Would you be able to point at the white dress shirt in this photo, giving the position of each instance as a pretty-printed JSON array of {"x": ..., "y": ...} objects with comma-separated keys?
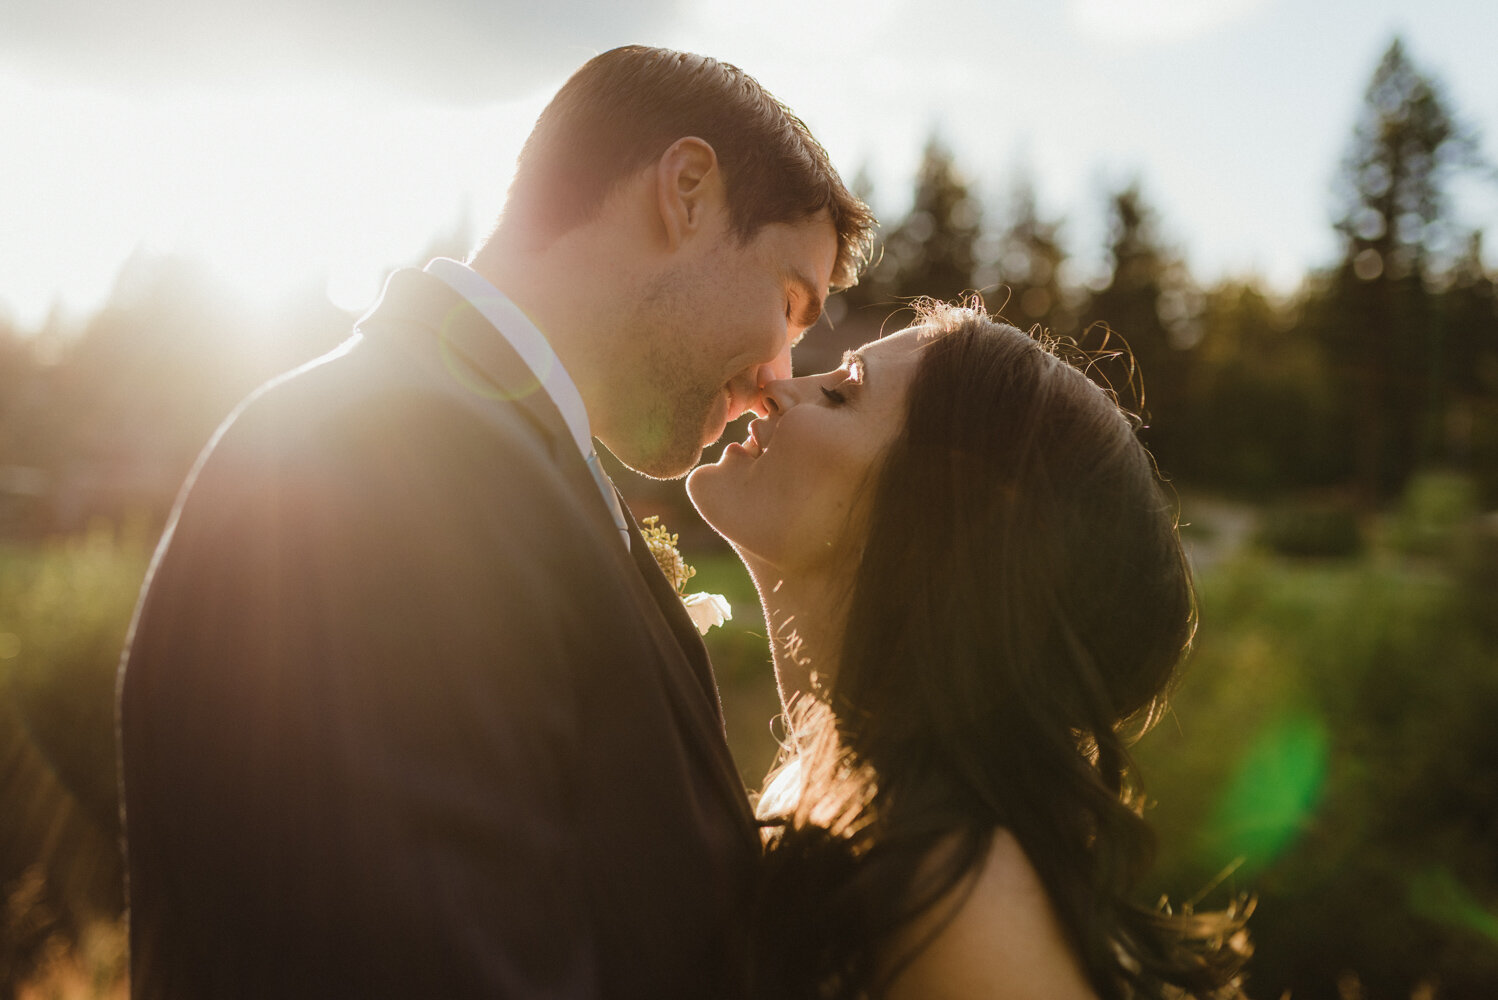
[{"x": 536, "y": 351}]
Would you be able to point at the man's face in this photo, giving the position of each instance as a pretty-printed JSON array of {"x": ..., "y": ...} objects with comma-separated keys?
[{"x": 710, "y": 331}]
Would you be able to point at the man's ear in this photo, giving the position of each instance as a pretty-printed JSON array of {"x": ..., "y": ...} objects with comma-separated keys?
[{"x": 689, "y": 189}]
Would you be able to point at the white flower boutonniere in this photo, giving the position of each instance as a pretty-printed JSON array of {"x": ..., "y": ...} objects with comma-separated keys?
[{"x": 706, "y": 610}]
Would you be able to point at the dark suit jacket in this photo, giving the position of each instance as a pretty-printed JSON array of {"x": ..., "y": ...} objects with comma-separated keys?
[{"x": 401, "y": 717}]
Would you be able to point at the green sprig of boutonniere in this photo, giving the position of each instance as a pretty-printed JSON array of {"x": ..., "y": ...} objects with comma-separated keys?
[{"x": 706, "y": 610}]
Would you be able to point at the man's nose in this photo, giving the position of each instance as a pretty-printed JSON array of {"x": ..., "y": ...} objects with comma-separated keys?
[
  {"x": 766, "y": 375},
  {"x": 776, "y": 396}
]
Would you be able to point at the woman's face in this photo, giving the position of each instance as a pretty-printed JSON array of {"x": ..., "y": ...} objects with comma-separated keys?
[{"x": 794, "y": 494}]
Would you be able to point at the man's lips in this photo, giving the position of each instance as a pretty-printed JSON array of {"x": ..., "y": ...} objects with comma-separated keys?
[{"x": 717, "y": 422}]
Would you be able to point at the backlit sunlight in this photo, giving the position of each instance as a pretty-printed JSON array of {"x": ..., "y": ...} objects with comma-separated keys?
[{"x": 274, "y": 190}]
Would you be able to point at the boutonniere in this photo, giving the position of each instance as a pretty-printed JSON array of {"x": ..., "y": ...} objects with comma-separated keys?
[{"x": 706, "y": 610}]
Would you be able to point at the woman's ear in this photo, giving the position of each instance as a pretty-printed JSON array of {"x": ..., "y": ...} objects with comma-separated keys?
[{"x": 689, "y": 189}]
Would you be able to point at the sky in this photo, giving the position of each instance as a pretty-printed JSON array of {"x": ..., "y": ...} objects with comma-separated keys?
[{"x": 291, "y": 144}]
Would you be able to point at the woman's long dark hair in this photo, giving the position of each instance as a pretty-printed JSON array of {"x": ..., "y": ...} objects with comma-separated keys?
[{"x": 1018, "y": 613}]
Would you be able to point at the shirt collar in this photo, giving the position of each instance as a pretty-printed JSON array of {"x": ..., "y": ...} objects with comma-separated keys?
[{"x": 527, "y": 340}]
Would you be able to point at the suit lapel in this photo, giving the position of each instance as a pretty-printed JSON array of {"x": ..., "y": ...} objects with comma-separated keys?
[
  {"x": 476, "y": 356},
  {"x": 675, "y": 613},
  {"x": 706, "y": 727},
  {"x": 482, "y": 364},
  {"x": 479, "y": 364}
]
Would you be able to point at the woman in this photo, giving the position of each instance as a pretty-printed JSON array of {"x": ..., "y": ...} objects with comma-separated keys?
[{"x": 974, "y": 585}]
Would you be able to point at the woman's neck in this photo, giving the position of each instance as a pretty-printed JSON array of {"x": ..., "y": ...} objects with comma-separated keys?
[{"x": 804, "y": 615}]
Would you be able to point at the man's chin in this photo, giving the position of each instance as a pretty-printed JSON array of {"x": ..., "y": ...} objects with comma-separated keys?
[
  {"x": 664, "y": 465},
  {"x": 671, "y": 455}
]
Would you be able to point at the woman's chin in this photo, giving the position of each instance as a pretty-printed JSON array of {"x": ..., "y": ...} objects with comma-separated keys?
[
  {"x": 713, "y": 495},
  {"x": 703, "y": 490},
  {"x": 694, "y": 478}
]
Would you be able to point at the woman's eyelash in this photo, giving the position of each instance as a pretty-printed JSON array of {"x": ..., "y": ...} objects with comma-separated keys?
[{"x": 833, "y": 395}]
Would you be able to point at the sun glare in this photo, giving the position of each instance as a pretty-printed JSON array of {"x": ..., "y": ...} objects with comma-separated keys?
[{"x": 275, "y": 193}]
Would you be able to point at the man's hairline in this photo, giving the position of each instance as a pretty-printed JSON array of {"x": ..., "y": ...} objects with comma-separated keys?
[{"x": 845, "y": 259}]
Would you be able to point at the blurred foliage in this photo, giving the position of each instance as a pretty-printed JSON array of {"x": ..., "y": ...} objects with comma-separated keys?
[
  {"x": 1022, "y": 264},
  {"x": 106, "y": 420},
  {"x": 1311, "y": 526},
  {"x": 1149, "y": 303},
  {"x": 932, "y": 250},
  {"x": 64, "y": 610},
  {"x": 1435, "y": 515},
  {"x": 1332, "y": 749}
]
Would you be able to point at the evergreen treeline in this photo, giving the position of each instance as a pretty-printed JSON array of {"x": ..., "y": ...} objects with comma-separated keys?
[{"x": 1381, "y": 363}]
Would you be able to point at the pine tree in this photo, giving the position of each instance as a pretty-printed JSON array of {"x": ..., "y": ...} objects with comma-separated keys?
[
  {"x": 1406, "y": 147},
  {"x": 871, "y": 295},
  {"x": 1027, "y": 265},
  {"x": 1468, "y": 315},
  {"x": 931, "y": 252},
  {"x": 1149, "y": 301}
]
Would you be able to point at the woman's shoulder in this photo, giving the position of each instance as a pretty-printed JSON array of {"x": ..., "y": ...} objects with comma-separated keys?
[{"x": 995, "y": 934}]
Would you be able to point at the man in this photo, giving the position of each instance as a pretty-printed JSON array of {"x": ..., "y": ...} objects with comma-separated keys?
[{"x": 407, "y": 708}]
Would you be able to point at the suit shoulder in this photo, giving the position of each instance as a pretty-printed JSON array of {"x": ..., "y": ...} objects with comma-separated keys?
[{"x": 350, "y": 414}]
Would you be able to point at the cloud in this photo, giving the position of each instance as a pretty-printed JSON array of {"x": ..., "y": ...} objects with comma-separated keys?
[
  {"x": 1124, "y": 21},
  {"x": 455, "y": 51}
]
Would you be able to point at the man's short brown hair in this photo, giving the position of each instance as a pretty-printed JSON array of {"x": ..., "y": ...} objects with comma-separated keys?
[{"x": 623, "y": 109}]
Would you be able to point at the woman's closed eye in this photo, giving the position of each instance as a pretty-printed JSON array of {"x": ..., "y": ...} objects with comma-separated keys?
[{"x": 833, "y": 396}]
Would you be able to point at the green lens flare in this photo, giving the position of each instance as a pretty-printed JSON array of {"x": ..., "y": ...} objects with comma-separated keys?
[
  {"x": 1436, "y": 895},
  {"x": 472, "y": 380},
  {"x": 1272, "y": 796}
]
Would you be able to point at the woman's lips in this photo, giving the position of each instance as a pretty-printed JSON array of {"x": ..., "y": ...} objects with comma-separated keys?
[{"x": 759, "y": 437}]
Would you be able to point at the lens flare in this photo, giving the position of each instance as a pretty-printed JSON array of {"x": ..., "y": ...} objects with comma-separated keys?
[
  {"x": 1436, "y": 895},
  {"x": 468, "y": 377},
  {"x": 1274, "y": 792}
]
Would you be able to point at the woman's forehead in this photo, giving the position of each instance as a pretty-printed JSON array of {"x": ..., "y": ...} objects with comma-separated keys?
[{"x": 899, "y": 342}]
